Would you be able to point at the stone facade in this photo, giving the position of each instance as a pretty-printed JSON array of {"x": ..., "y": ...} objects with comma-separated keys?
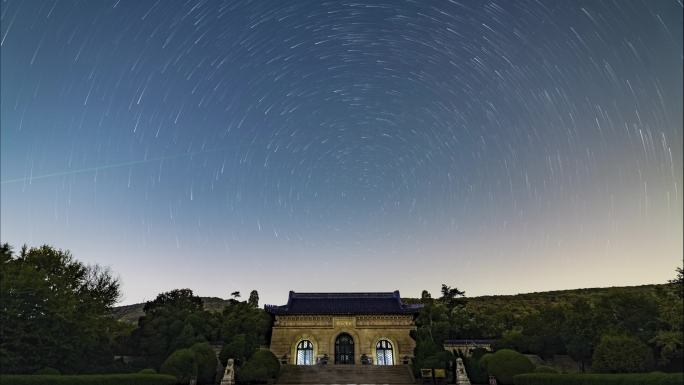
[
  {"x": 322, "y": 331},
  {"x": 368, "y": 318}
]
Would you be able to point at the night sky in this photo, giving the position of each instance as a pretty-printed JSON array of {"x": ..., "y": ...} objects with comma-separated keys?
[{"x": 496, "y": 146}]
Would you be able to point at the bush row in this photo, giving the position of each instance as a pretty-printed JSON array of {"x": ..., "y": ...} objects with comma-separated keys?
[
  {"x": 600, "y": 379},
  {"x": 506, "y": 363},
  {"x": 199, "y": 361},
  {"x": 88, "y": 379},
  {"x": 262, "y": 366}
]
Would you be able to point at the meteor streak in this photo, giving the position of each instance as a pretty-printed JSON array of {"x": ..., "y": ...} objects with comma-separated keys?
[{"x": 106, "y": 167}]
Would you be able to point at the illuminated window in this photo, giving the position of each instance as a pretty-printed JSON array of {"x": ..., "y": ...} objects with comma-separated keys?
[
  {"x": 305, "y": 353},
  {"x": 383, "y": 353}
]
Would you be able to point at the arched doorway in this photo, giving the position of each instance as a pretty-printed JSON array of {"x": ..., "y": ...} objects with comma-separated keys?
[
  {"x": 344, "y": 349},
  {"x": 305, "y": 353},
  {"x": 384, "y": 354}
]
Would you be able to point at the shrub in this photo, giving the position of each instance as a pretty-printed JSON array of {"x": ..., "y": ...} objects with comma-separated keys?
[
  {"x": 622, "y": 354},
  {"x": 253, "y": 373},
  {"x": 484, "y": 360},
  {"x": 88, "y": 379},
  {"x": 600, "y": 379},
  {"x": 181, "y": 364},
  {"x": 545, "y": 369},
  {"x": 148, "y": 371},
  {"x": 48, "y": 371},
  {"x": 268, "y": 360},
  {"x": 506, "y": 363},
  {"x": 206, "y": 362},
  {"x": 476, "y": 372},
  {"x": 261, "y": 366}
]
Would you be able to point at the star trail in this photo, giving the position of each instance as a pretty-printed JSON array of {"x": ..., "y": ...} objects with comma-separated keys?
[{"x": 499, "y": 146}]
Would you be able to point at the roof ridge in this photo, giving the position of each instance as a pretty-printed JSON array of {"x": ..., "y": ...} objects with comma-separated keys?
[
  {"x": 344, "y": 303},
  {"x": 378, "y": 294}
]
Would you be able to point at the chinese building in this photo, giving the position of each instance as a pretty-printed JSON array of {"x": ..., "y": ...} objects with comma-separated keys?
[
  {"x": 466, "y": 347},
  {"x": 343, "y": 328}
]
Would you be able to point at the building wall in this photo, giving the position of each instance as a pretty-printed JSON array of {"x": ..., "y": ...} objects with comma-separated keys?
[{"x": 322, "y": 331}]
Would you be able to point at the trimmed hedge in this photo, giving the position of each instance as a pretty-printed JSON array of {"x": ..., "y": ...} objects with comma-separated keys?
[
  {"x": 206, "y": 362},
  {"x": 506, "y": 363},
  {"x": 88, "y": 379},
  {"x": 545, "y": 369},
  {"x": 600, "y": 379},
  {"x": 48, "y": 371},
  {"x": 261, "y": 367},
  {"x": 181, "y": 364}
]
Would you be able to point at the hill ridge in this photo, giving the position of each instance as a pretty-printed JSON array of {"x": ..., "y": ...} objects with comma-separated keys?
[{"x": 132, "y": 312}]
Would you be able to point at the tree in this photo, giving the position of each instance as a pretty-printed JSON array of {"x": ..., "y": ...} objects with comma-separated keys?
[
  {"x": 579, "y": 348},
  {"x": 622, "y": 354},
  {"x": 669, "y": 336},
  {"x": 186, "y": 338},
  {"x": 239, "y": 318},
  {"x": 579, "y": 331},
  {"x": 513, "y": 339},
  {"x": 678, "y": 282},
  {"x": 630, "y": 313},
  {"x": 237, "y": 349},
  {"x": 178, "y": 300},
  {"x": 253, "y": 298},
  {"x": 169, "y": 324},
  {"x": 451, "y": 297},
  {"x": 177, "y": 320},
  {"x": 543, "y": 331},
  {"x": 54, "y": 311}
]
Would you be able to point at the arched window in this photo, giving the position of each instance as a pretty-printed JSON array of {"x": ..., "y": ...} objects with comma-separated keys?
[
  {"x": 305, "y": 353},
  {"x": 383, "y": 353}
]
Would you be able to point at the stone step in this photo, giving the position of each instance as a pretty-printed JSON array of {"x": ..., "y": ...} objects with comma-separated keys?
[{"x": 345, "y": 374}]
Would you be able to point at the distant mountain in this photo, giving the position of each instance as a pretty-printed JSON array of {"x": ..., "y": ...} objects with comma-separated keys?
[
  {"x": 131, "y": 313},
  {"x": 521, "y": 304},
  {"x": 516, "y": 302}
]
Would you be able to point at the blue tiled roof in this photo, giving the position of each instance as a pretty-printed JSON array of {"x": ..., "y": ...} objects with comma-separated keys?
[{"x": 343, "y": 303}]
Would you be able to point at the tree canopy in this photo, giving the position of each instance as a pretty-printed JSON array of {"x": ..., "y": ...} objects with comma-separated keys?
[
  {"x": 551, "y": 323},
  {"x": 54, "y": 311}
]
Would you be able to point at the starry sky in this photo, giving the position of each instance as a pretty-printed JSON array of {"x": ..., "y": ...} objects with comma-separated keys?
[{"x": 497, "y": 146}]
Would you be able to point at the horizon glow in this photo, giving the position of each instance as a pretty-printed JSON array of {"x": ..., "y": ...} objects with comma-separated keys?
[{"x": 500, "y": 147}]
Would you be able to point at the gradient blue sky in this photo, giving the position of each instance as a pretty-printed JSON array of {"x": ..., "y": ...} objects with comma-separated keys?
[{"x": 498, "y": 146}]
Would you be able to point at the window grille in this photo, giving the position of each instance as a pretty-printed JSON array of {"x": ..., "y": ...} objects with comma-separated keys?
[
  {"x": 384, "y": 353},
  {"x": 305, "y": 353}
]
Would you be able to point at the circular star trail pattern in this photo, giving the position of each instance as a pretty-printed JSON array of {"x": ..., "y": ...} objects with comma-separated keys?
[{"x": 434, "y": 140}]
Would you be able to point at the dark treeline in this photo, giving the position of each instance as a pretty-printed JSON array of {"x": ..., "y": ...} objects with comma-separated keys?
[
  {"x": 56, "y": 315},
  {"x": 643, "y": 322}
]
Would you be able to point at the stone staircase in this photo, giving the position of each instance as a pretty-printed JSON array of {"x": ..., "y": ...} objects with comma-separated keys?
[{"x": 345, "y": 374}]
